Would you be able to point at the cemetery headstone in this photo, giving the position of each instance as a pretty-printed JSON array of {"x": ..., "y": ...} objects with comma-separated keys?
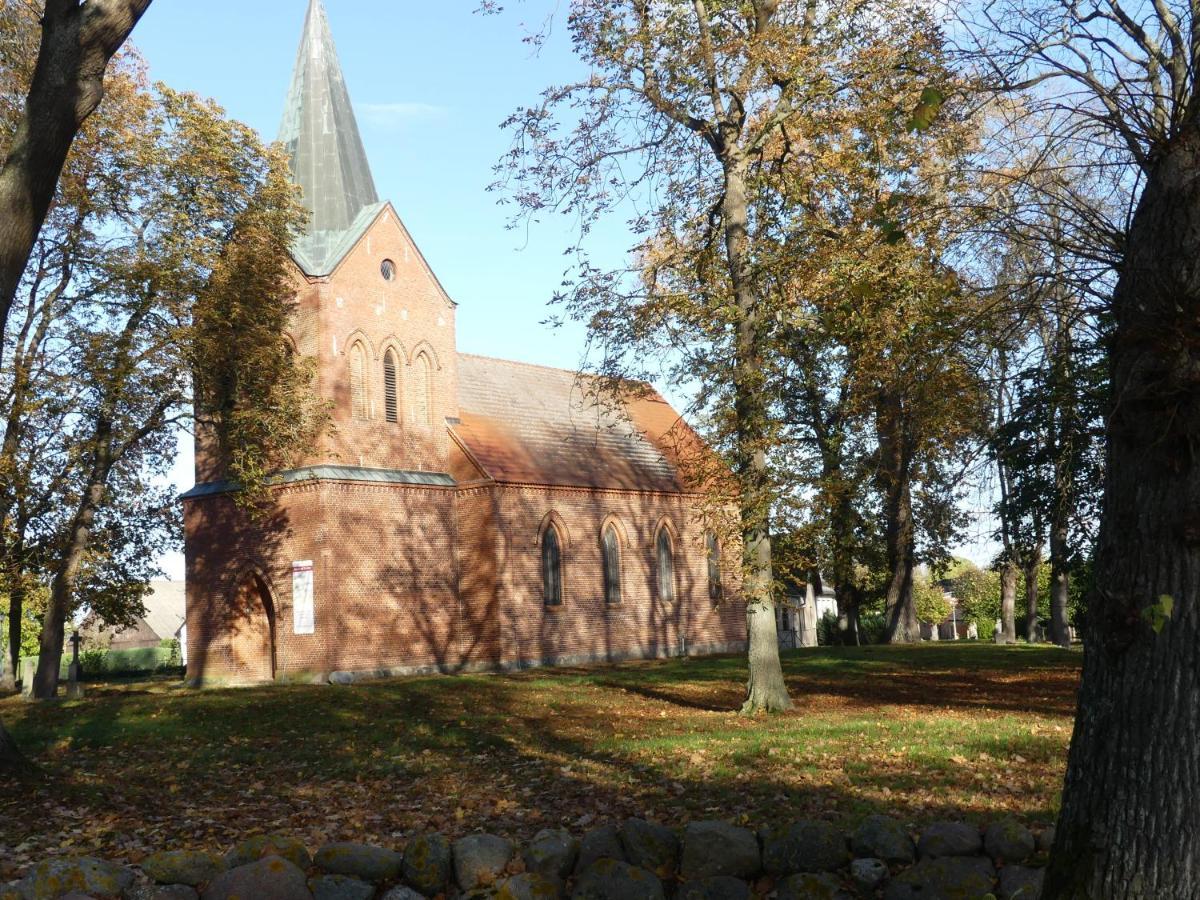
[
  {"x": 28, "y": 670},
  {"x": 74, "y": 688}
]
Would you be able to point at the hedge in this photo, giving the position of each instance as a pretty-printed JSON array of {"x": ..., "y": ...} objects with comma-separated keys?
[{"x": 125, "y": 662}]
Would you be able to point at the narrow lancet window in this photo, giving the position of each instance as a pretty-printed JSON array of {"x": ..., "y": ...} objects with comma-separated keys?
[
  {"x": 551, "y": 567},
  {"x": 390, "y": 409},
  {"x": 358, "y": 383},
  {"x": 611, "y": 550},
  {"x": 666, "y": 567}
]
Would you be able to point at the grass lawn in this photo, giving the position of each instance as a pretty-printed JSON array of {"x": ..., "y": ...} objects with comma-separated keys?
[{"x": 921, "y": 732}]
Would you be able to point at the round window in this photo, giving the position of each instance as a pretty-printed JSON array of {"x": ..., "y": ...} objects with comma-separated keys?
[{"x": 388, "y": 269}]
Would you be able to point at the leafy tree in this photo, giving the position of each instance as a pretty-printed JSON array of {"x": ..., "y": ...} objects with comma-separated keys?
[
  {"x": 158, "y": 294},
  {"x": 67, "y": 83},
  {"x": 198, "y": 272},
  {"x": 929, "y": 599},
  {"x": 681, "y": 102},
  {"x": 881, "y": 403},
  {"x": 745, "y": 132},
  {"x": 1050, "y": 411},
  {"x": 978, "y": 595}
]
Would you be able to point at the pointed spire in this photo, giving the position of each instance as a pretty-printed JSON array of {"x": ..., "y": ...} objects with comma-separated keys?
[{"x": 320, "y": 131}]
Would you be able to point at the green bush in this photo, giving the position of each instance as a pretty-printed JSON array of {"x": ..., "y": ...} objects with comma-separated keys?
[
  {"x": 872, "y": 627},
  {"x": 141, "y": 661},
  {"x": 827, "y": 630},
  {"x": 129, "y": 662},
  {"x": 929, "y": 599},
  {"x": 173, "y": 657},
  {"x": 92, "y": 660}
]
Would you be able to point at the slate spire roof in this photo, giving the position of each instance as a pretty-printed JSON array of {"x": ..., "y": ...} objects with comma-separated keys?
[{"x": 328, "y": 160}]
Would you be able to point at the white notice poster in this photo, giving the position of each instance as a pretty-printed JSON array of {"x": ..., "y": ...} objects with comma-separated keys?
[{"x": 302, "y": 597}]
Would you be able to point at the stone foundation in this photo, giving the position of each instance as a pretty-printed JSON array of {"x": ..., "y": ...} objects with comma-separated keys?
[{"x": 713, "y": 860}]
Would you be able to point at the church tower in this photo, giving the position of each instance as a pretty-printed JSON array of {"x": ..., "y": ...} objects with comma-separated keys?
[
  {"x": 363, "y": 529},
  {"x": 369, "y": 309}
]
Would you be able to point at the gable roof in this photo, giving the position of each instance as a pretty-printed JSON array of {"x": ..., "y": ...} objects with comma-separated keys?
[
  {"x": 166, "y": 608},
  {"x": 318, "y": 253},
  {"x": 326, "y": 151},
  {"x": 528, "y": 424},
  {"x": 166, "y": 613}
]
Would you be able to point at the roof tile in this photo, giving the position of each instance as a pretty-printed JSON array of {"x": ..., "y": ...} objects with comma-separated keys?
[{"x": 529, "y": 424}]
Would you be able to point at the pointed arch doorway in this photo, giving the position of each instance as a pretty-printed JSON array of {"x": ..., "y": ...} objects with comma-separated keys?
[{"x": 252, "y": 635}]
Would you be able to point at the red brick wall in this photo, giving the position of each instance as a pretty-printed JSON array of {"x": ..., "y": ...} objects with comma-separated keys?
[
  {"x": 409, "y": 314},
  {"x": 412, "y": 578},
  {"x": 384, "y": 577},
  {"x": 584, "y": 626}
]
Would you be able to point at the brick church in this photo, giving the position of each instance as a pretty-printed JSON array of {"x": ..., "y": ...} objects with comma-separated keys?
[{"x": 464, "y": 512}]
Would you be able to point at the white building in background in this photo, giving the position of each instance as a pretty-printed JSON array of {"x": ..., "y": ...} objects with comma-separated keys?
[{"x": 796, "y": 617}]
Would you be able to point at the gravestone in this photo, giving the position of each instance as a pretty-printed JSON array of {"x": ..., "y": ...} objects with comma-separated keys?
[
  {"x": 74, "y": 688},
  {"x": 28, "y": 670},
  {"x": 8, "y": 680}
]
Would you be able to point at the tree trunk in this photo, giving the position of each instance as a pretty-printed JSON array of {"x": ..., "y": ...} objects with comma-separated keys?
[
  {"x": 78, "y": 39},
  {"x": 1008, "y": 602},
  {"x": 1064, "y": 430},
  {"x": 903, "y": 626},
  {"x": 765, "y": 689},
  {"x": 841, "y": 530},
  {"x": 11, "y": 758},
  {"x": 1033, "y": 562},
  {"x": 847, "y": 621},
  {"x": 16, "y": 614},
  {"x": 62, "y": 588},
  {"x": 50, "y": 648},
  {"x": 1060, "y": 587},
  {"x": 1129, "y": 826}
]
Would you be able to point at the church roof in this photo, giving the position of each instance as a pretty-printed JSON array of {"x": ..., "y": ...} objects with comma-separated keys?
[
  {"x": 527, "y": 424},
  {"x": 327, "y": 156}
]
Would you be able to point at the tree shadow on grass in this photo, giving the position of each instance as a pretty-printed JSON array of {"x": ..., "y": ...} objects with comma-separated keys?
[
  {"x": 509, "y": 754},
  {"x": 664, "y": 695}
]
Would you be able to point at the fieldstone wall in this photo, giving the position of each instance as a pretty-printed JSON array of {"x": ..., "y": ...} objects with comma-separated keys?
[{"x": 637, "y": 860}]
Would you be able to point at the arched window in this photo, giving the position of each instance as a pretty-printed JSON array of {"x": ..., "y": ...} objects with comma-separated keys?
[
  {"x": 611, "y": 550},
  {"x": 359, "y": 406},
  {"x": 422, "y": 402},
  {"x": 551, "y": 567},
  {"x": 390, "y": 409},
  {"x": 713, "y": 547},
  {"x": 666, "y": 567}
]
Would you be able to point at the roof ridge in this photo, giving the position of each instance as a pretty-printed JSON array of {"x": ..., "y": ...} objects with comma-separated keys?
[
  {"x": 528, "y": 365},
  {"x": 575, "y": 372}
]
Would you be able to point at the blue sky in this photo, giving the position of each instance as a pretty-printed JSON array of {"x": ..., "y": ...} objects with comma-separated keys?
[{"x": 431, "y": 84}]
